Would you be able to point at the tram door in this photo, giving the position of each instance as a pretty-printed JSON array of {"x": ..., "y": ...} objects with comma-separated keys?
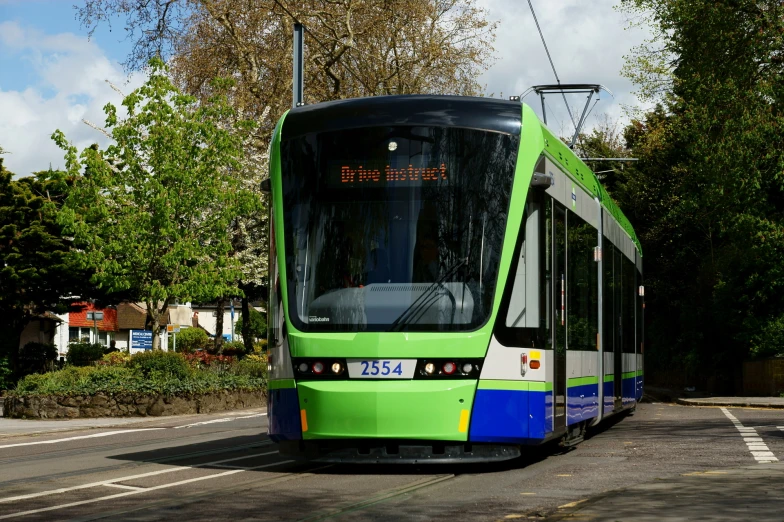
[{"x": 559, "y": 320}]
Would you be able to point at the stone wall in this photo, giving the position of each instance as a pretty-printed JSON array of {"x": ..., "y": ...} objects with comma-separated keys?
[{"x": 127, "y": 404}]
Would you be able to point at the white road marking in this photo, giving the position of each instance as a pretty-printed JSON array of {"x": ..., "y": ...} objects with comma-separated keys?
[
  {"x": 123, "y": 486},
  {"x": 757, "y": 447},
  {"x": 129, "y": 493},
  {"x": 93, "y": 436},
  {"x": 227, "y": 419},
  {"x": 129, "y": 477}
]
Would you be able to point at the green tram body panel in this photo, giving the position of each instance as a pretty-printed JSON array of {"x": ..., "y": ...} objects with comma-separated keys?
[
  {"x": 387, "y": 409},
  {"x": 440, "y": 410}
]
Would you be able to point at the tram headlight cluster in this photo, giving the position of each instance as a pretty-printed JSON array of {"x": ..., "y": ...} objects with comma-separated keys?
[
  {"x": 448, "y": 368},
  {"x": 321, "y": 368}
]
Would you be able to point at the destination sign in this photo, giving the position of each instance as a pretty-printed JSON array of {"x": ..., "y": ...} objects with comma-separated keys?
[{"x": 348, "y": 175}]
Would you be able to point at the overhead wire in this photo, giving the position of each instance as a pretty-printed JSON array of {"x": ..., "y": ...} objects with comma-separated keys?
[{"x": 546, "y": 50}]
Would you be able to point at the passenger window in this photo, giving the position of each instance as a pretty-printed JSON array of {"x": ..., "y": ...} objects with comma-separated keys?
[{"x": 524, "y": 305}]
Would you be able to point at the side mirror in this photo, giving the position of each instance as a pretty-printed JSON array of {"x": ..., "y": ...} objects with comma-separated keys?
[
  {"x": 266, "y": 186},
  {"x": 543, "y": 180}
]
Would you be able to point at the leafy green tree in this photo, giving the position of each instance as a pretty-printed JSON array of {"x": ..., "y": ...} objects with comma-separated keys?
[
  {"x": 36, "y": 272},
  {"x": 257, "y": 329},
  {"x": 151, "y": 212},
  {"x": 709, "y": 196}
]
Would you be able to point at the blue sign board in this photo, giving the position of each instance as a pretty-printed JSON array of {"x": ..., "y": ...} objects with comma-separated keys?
[{"x": 141, "y": 340}]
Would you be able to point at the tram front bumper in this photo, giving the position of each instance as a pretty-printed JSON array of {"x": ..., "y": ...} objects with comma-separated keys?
[{"x": 409, "y": 410}]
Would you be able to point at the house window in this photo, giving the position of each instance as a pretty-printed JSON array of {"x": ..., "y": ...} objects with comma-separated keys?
[
  {"x": 73, "y": 334},
  {"x": 80, "y": 335}
]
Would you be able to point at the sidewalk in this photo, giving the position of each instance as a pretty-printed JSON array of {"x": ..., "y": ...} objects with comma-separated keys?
[
  {"x": 695, "y": 398},
  {"x": 24, "y": 427},
  {"x": 747, "y": 493},
  {"x": 735, "y": 402},
  {"x": 40, "y": 427}
]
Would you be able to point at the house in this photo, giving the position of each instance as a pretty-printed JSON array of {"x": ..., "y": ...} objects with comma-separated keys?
[
  {"x": 81, "y": 328},
  {"x": 42, "y": 329}
]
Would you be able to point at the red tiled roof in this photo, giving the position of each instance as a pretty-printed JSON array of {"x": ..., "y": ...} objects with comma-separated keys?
[{"x": 108, "y": 324}]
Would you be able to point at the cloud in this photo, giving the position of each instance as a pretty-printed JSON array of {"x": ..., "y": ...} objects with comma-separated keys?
[
  {"x": 71, "y": 75},
  {"x": 587, "y": 42}
]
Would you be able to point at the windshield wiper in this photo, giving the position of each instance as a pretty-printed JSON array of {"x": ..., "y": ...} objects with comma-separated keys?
[{"x": 425, "y": 299}]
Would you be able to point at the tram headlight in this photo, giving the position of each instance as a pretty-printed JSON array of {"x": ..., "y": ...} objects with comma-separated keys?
[
  {"x": 318, "y": 368},
  {"x": 430, "y": 368},
  {"x": 337, "y": 368},
  {"x": 303, "y": 367},
  {"x": 467, "y": 367}
]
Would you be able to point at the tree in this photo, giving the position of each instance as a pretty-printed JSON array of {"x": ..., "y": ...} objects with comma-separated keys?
[
  {"x": 36, "y": 272},
  {"x": 151, "y": 212},
  {"x": 353, "y": 48},
  {"x": 717, "y": 165},
  {"x": 257, "y": 329}
]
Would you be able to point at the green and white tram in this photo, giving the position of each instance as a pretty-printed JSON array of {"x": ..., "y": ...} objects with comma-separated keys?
[{"x": 448, "y": 281}]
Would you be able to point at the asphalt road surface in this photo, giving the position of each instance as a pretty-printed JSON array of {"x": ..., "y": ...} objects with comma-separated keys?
[{"x": 223, "y": 467}]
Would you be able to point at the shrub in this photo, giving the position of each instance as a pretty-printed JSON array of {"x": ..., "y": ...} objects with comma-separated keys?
[
  {"x": 258, "y": 324},
  {"x": 53, "y": 382},
  {"x": 251, "y": 366},
  {"x": 192, "y": 339},
  {"x": 158, "y": 363},
  {"x": 116, "y": 358},
  {"x": 117, "y": 379},
  {"x": 36, "y": 357},
  {"x": 233, "y": 348},
  {"x": 260, "y": 347},
  {"x": 205, "y": 360},
  {"x": 5, "y": 374},
  {"x": 83, "y": 354}
]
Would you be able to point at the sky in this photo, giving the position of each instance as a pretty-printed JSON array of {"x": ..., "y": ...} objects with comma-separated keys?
[{"x": 52, "y": 76}]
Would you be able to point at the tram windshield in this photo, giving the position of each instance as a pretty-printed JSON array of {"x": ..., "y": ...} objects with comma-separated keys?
[{"x": 395, "y": 228}]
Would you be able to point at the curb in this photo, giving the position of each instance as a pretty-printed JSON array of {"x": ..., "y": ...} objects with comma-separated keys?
[{"x": 730, "y": 404}]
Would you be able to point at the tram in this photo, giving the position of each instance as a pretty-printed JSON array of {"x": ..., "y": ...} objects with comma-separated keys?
[{"x": 448, "y": 282}]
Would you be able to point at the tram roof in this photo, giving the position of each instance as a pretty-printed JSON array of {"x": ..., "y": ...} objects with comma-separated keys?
[
  {"x": 492, "y": 114},
  {"x": 425, "y": 110}
]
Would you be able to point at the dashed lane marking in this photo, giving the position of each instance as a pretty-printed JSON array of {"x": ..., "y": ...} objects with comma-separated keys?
[
  {"x": 756, "y": 446},
  {"x": 93, "y": 436},
  {"x": 144, "y": 490},
  {"x": 131, "y": 477}
]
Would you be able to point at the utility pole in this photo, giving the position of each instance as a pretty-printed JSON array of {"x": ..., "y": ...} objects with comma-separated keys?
[{"x": 298, "y": 87}]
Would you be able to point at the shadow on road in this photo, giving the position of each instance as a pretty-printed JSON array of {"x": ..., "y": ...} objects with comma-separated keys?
[{"x": 245, "y": 451}]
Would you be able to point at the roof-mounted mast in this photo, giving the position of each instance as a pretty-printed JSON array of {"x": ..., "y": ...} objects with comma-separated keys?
[{"x": 590, "y": 89}]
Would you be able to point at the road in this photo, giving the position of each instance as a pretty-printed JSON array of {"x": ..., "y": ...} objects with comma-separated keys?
[{"x": 223, "y": 467}]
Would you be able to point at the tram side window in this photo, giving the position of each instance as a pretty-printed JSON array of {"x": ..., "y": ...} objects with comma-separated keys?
[
  {"x": 629, "y": 300},
  {"x": 639, "y": 314},
  {"x": 274, "y": 319},
  {"x": 525, "y": 321},
  {"x": 524, "y": 303},
  {"x": 609, "y": 324},
  {"x": 618, "y": 300},
  {"x": 583, "y": 303}
]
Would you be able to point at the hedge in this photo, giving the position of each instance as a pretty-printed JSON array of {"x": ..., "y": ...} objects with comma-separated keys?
[{"x": 157, "y": 372}]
